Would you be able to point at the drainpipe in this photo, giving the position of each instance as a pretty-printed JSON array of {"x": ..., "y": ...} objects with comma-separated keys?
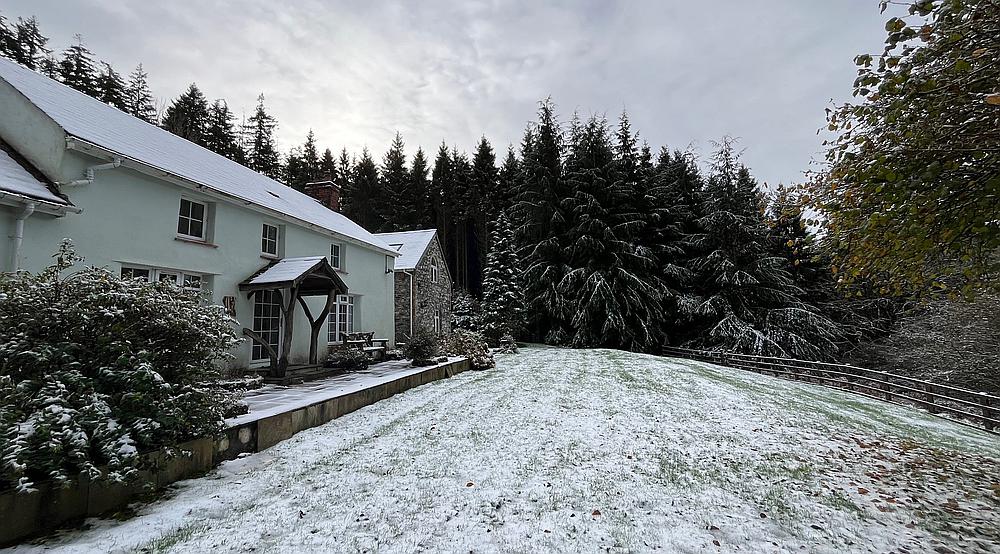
[
  {"x": 412, "y": 299},
  {"x": 15, "y": 257},
  {"x": 89, "y": 173}
]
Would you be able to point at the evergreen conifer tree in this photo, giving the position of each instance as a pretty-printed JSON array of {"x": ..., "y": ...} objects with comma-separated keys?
[
  {"x": 187, "y": 115},
  {"x": 420, "y": 187},
  {"x": 138, "y": 97},
  {"x": 8, "y": 40},
  {"x": 28, "y": 45},
  {"x": 507, "y": 180},
  {"x": 503, "y": 300},
  {"x": 262, "y": 155},
  {"x": 441, "y": 202},
  {"x": 111, "y": 87},
  {"x": 356, "y": 200},
  {"x": 77, "y": 68},
  {"x": 295, "y": 169},
  {"x": 220, "y": 132},
  {"x": 395, "y": 205},
  {"x": 344, "y": 174},
  {"x": 749, "y": 302},
  {"x": 328, "y": 166},
  {"x": 310, "y": 159}
]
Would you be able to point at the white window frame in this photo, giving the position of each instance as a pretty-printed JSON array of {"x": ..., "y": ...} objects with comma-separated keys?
[
  {"x": 190, "y": 218},
  {"x": 437, "y": 321},
  {"x": 258, "y": 355},
  {"x": 266, "y": 240},
  {"x": 434, "y": 272},
  {"x": 337, "y": 256},
  {"x": 343, "y": 312},
  {"x": 175, "y": 276}
]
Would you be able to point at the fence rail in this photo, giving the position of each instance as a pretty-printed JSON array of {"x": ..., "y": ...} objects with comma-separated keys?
[{"x": 966, "y": 406}]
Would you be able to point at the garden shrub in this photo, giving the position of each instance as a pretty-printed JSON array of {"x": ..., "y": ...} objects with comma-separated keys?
[
  {"x": 349, "y": 359},
  {"x": 95, "y": 370},
  {"x": 422, "y": 347},
  {"x": 471, "y": 345},
  {"x": 507, "y": 345}
]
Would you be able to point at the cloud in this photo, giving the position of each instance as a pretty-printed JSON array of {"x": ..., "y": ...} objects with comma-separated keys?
[{"x": 356, "y": 72}]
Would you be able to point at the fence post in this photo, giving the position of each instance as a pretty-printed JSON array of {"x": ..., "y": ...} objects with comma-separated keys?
[
  {"x": 929, "y": 398},
  {"x": 988, "y": 412}
]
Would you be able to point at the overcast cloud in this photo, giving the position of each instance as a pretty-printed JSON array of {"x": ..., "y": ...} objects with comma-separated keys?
[{"x": 355, "y": 72}]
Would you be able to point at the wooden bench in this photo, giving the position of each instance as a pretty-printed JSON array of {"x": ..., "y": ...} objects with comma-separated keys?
[{"x": 366, "y": 342}]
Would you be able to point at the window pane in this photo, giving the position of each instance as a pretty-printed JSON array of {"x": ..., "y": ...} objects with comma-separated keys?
[
  {"x": 196, "y": 229},
  {"x": 182, "y": 226},
  {"x": 168, "y": 277},
  {"x": 197, "y": 211},
  {"x": 185, "y": 208}
]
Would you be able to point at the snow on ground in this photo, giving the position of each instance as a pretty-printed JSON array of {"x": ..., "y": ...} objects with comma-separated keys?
[{"x": 592, "y": 450}]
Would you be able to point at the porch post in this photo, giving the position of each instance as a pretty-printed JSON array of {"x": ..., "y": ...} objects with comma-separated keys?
[{"x": 288, "y": 314}]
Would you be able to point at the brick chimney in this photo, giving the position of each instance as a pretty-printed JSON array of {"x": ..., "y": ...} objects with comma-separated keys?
[{"x": 327, "y": 192}]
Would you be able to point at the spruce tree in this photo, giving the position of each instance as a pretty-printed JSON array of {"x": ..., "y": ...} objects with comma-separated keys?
[
  {"x": 395, "y": 205},
  {"x": 262, "y": 155},
  {"x": 28, "y": 46},
  {"x": 77, "y": 68},
  {"x": 344, "y": 174},
  {"x": 420, "y": 189},
  {"x": 609, "y": 294},
  {"x": 749, "y": 302},
  {"x": 8, "y": 40},
  {"x": 441, "y": 202},
  {"x": 138, "y": 96},
  {"x": 295, "y": 169},
  {"x": 503, "y": 292},
  {"x": 500, "y": 200},
  {"x": 111, "y": 87},
  {"x": 327, "y": 167},
  {"x": 357, "y": 199},
  {"x": 310, "y": 159},
  {"x": 478, "y": 210},
  {"x": 187, "y": 115},
  {"x": 220, "y": 132},
  {"x": 49, "y": 66},
  {"x": 539, "y": 221}
]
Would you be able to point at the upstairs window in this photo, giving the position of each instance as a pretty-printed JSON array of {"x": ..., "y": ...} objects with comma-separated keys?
[
  {"x": 434, "y": 273},
  {"x": 269, "y": 240},
  {"x": 191, "y": 219},
  {"x": 336, "y": 256}
]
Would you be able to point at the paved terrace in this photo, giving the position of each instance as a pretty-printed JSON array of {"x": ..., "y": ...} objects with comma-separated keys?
[{"x": 271, "y": 400}]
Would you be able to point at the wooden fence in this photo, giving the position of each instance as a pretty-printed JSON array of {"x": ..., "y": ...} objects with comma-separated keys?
[{"x": 964, "y": 405}]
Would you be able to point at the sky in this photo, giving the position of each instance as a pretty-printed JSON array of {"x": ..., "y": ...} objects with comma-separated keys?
[{"x": 355, "y": 72}]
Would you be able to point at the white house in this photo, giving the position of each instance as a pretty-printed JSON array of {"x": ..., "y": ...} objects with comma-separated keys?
[{"x": 145, "y": 203}]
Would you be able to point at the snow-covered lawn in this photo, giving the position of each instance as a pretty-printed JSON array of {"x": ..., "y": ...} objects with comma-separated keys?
[{"x": 592, "y": 450}]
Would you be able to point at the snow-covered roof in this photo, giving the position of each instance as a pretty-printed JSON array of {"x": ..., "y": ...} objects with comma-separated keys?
[
  {"x": 411, "y": 246},
  {"x": 16, "y": 179},
  {"x": 93, "y": 121},
  {"x": 287, "y": 269}
]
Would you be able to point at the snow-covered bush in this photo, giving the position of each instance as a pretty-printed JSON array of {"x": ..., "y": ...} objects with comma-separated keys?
[
  {"x": 465, "y": 311},
  {"x": 470, "y": 345},
  {"x": 95, "y": 369},
  {"x": 422, "y": 346},
  {"x": 350, "y": 359},
  {"x": 507, "y": 345}
]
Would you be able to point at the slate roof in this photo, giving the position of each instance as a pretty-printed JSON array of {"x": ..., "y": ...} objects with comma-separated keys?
[
  {"x": 410, "y": 244},
  {"x": 294, "y": 271},
  {"x": 92, "y": 121}
]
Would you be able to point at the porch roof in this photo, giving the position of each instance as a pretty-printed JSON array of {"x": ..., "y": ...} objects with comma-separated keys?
[{"x": 313, "y": 275}]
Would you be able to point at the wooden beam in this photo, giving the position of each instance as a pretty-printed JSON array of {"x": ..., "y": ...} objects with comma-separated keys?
[
  {"x": 317, "y": 324},
  {"x": 271, "y": 354}
]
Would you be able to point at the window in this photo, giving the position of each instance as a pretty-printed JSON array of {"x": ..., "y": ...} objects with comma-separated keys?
[
  {"x": 191, "y": 219},
  {"x": 190, "y": 281},
  {"x": 266, "y": 322},
  {"x": 341, "y": 319},
  {"x": 437, "y": 322},
  {"x": 434, "y": 273},
  {"x": 135, "y": 273},
  {"x": 336, "y": 256},
  {"x": 269, "y": 240}
]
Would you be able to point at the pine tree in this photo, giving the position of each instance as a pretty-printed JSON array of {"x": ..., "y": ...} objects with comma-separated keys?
[
  {"x": 77, "y": 68},
  {"x": 503, "y": 300},
  {"x": 187, "y": 115},
  {"x": 327, "y": 166},
  {"x": 441, "y": 203},
  {"x": 395, "y": 206},
  {"x": 344, "y": 174},
  {"x": 357, "y": 199},
  {"x": 749, "y": 302},
  {"x": 295, "y": 169},
  {"x": 263, "y": 155},
  {"x": 49, "y": 66},
  {"x": 507, "y": 182},
  {"x": 138, "y": 97},
  {"x": 28, "y": 46},
  {"x": 111, "y": 88},
  {"x": 8, "y": 40},
  {"x": 420, "y": 187},
  {"x": 220, "y": 132},
  {"x": 478, "y": 211}
]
